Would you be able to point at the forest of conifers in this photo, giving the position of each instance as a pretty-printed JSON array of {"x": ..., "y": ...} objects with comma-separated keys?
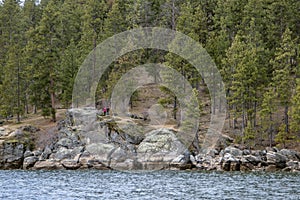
[{"x": 254, "y": 43}]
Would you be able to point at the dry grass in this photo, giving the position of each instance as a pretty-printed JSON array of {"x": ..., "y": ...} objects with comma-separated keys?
[{"x": 47, "y": 133}]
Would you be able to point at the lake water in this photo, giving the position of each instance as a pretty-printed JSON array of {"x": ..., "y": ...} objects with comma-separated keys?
[{"x": 147, "y": 185}]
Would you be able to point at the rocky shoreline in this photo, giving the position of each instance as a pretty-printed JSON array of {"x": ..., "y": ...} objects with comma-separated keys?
[{"x": 101, "y": 145}]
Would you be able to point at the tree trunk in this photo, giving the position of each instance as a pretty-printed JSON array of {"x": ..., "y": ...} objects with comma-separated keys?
[
  {"x": 243, "y": 121},
  {"x": 26, "y": 106},
  {"x": 234, "y": 120},
  {"x": 35, "y": 108},
  {"x": 196, "y": 142},
  {"x": 255, "y": 111},
  {"x": 286, "y": 118},
  {"x": 52, "y": 93},
  {"x": 18, "y": 94},
  {"x": 175, "y": 107},
  {"x": 271, "y": 131}
]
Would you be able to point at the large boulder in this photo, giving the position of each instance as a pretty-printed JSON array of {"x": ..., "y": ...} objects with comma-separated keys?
[
  {"x": 230, "y": 163},
  {"x": 182, "y": 162},
  {"x": 28, "y": 154},
  {"x": 94, "y": 136},
  {"x": 29, "y": 162},
  {"x": 124, "y": 159},
  {"x": 158, "y": 149},
  {"x": 271, "y": 168},
  {"x": 293, "y": 165},
  {"x": 207, "y": 162},
  {"x": 46, "y": 153},
  {"x": 251, "y": 162},
  {"x": 81, "y": 116},
  {"x": 65, "y": 142},
  {"x": 277, "y": 159},
  {"x": 11, "y": 154},
  {"x": 290, "y": 154},
  {"x": 13, "y": 144},
  {"x": 255, "y": 160},
  {"x": 102, "y": 152},
  {"x": 47, "y": 165},
  {"x": 64, "y": 153},
  {"x": 233, "y": 151},
  {"x": 87, "y": 161},
  {"x": 70, "y": 164}
]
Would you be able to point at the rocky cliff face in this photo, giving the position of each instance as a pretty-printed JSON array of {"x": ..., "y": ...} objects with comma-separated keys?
[
  {"x": 104, "y": 144},
  {"x": 13, "y": 145},
  {"x": 233, "y": 158},
  {"x": 11, "y": 154}
]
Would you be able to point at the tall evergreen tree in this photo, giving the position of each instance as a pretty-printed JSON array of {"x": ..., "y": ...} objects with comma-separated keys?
[
  {"x": 46, "y": 43},
  {"x": 267, "y": 115},
  {"x": 10, "y": 33},
  {"x": 295, "y": 113},
  {"x": 170, "y": 11},
  {"x": 242, "y": 62},
  {"x": 70, "y": 63},
  {"x": 228, "y": 16},
  {"x": 284, "y": 72}
]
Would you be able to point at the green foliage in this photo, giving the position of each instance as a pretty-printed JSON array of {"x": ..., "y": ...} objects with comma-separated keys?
[
  {"x": 255, "y": 44},
  {"x": 295, "y": 112},
  {"x": 266, "y": 113},
  {"x": 284, "y": 71},
  {"x": 46, "y": 112},
  {"x": 192, "y": 112},
  {"x": 241, "y": 59},
  {"x": 167, "y": 100},
  {"x": 282, "y": 136},
  {"x": 67, "y": 73},
  {"x": 249, "y": 136}
]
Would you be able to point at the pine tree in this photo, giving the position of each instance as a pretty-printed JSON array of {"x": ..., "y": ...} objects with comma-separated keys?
[
  {"x": 116, "y": 19},
  {"x": 228, "y": 16},
  {"x": 46, "y": 43},
  {"x": 170, "y": 11},
  {"x": 242, "y": 62},
  {"x": 94, "y": 15},
  {"x": 143, "y": 13},
  {"x": 66, "y": 75},
  {"x": 295, "y": 113},
  {"x": 171, "y": 84},
  {"x": 282, "y": 136},
  {"x": 31, "y": 15},
  {"x": 266, "y": 112},
  {"x": 116, "y": 23},
  {"x": 193, "y": 111},
  {"x": 10, "y": 79},
  {"x": 11, "y": 89},
  {"x": 191, "y": 22},
  {"x": 280, "y": 15},
  {"x": 71, "y": 22},
  {"x": 284, "y": 70}
]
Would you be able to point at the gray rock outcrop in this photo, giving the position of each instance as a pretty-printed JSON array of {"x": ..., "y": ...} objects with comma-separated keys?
[{"x": 83, "y": 142}]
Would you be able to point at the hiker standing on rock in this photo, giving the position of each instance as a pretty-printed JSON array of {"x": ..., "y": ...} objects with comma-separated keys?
[{"x": 104, "y": 111}]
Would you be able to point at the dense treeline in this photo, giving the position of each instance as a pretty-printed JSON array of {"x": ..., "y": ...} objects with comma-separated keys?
[{"x": 255, "y": 44}]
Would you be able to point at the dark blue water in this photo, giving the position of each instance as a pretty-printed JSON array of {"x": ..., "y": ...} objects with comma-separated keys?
[{"x": 151, "y": 185}]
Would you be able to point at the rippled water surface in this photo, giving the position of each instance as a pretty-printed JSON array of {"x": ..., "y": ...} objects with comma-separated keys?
[{"x": 147, "y": 185}]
